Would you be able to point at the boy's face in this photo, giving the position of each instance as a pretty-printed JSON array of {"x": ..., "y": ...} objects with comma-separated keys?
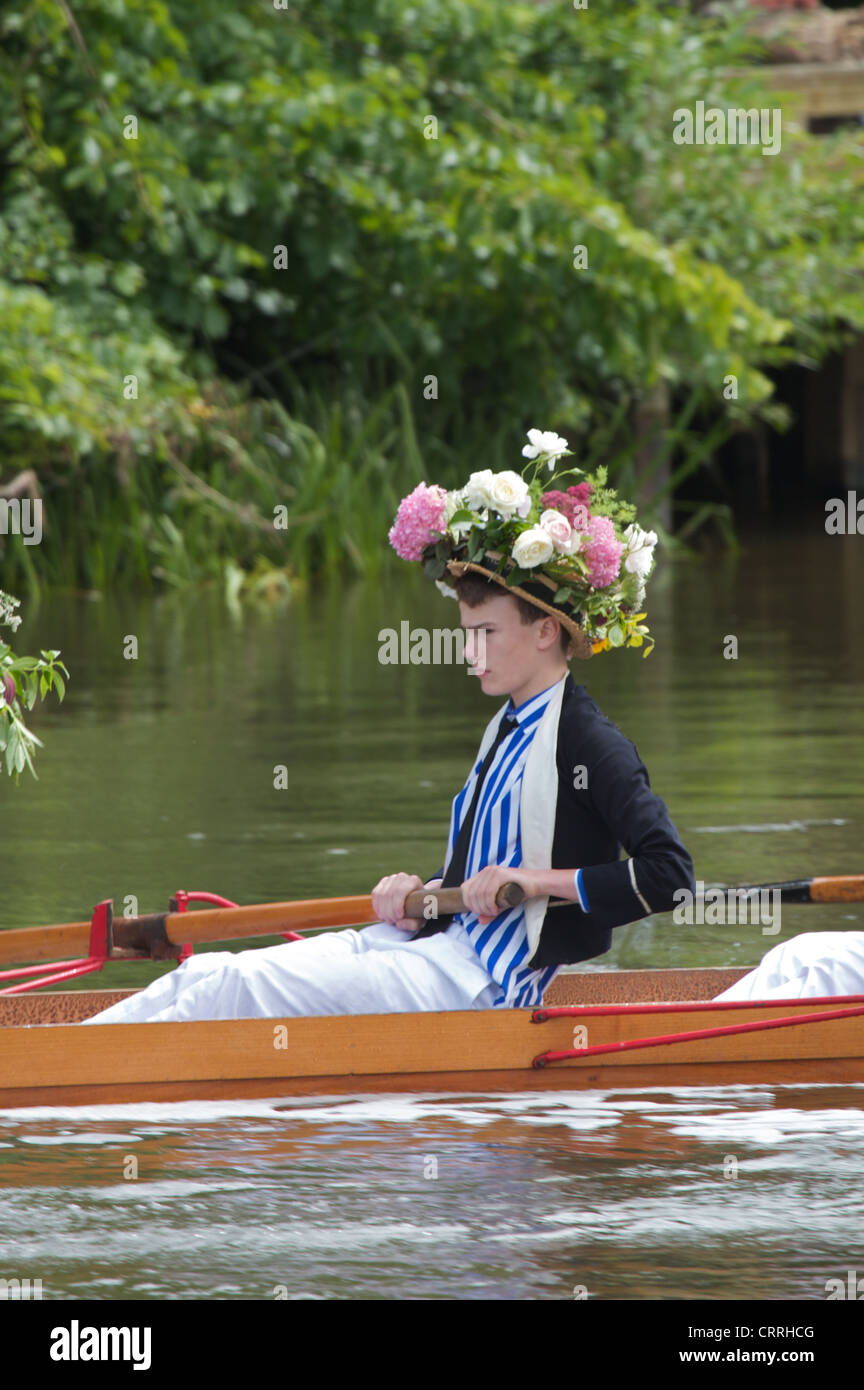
[{"x": 505, "y": 653}]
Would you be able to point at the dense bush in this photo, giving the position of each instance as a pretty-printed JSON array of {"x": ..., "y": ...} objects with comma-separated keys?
[{"x": 304, "y": 127}]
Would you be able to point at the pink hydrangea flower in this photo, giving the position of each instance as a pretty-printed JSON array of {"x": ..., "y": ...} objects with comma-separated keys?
[
  {"x": 420, "y": 515},
  {"x": 573, "y": 503},
  {"x": 602, "y": 552}
]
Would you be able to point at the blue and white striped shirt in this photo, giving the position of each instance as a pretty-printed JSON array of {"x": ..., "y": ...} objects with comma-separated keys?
[{"x": 502, "y": 944}]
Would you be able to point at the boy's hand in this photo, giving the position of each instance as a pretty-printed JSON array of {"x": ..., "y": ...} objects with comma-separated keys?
[
  {"x": 388, "y": 900},
  {"x": 478, "y": 892}
]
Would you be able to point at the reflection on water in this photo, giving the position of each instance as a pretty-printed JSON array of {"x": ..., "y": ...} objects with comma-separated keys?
[
  {"x": 629, "y": 1194},
  {"x": 158, "y": 774}
]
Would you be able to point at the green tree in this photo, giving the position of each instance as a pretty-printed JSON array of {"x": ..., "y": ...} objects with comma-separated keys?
[
  {"x": 22, "y": 679},
  {"x": 328, "y": 202}
]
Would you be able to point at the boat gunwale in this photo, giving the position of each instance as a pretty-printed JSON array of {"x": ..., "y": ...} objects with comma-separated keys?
[{"x": 475, "y": 1050}]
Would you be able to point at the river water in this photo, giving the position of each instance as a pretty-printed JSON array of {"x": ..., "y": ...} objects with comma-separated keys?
[{"x": 158, "y": 773}]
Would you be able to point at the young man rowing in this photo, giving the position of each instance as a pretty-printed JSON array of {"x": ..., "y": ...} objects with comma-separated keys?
[{"x": 554, "y": 793}]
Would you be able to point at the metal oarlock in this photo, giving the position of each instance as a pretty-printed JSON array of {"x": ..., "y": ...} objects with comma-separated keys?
[
  {"x": 144, "y": 937},
  {"x": 153, "y": 935},
  {"x": 181, "y": 898},
  {"x": 100, "y": 948},
  {"x": 103, "y": 946},
  {"x": 180, "y": 903}
]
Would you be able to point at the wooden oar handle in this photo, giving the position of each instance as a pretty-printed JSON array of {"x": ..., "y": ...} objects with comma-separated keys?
[{"x": 449, "y": 900}]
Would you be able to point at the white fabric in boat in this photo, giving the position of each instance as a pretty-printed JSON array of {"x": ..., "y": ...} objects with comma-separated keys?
[
  {"x": 807, "y": 966},
  {"x": 376, "y": 970}
]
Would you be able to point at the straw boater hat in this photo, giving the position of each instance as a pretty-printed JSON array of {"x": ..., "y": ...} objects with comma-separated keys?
[
  {"x": 541, "y": 597},
  {"x": 578, "y": 555}
]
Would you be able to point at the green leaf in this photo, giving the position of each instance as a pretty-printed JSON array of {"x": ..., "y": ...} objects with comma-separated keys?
[
  {"x": 615, "y": 635},
  {"x": 11, "y": 749}
]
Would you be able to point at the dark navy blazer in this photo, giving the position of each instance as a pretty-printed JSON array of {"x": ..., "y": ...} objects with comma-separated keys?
[{"x": 616, "y": 808}]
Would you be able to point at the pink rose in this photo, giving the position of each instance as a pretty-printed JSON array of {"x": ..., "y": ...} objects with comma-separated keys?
[{"x": 557, "y": 527}]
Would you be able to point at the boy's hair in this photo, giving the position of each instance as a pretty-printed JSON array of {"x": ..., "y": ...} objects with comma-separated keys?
[{"x": 473, "y": 589}]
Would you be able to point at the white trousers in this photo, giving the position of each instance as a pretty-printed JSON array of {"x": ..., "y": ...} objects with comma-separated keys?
[
  {"x": 377, "y": 969},
  {"x": 816, "y": 963}
]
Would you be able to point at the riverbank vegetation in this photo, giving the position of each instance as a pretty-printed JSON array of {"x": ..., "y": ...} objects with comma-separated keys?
[{"x": 263, "y": 269}]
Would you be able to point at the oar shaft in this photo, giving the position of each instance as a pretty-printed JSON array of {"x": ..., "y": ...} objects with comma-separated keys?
[
  {"x": 210, "y": 924},
  {"x": 44, "y": 943},
  {"x": 840, "y": 888},
  {"x": 265, "y": 919},
  {"x": 72, "y": 939}
]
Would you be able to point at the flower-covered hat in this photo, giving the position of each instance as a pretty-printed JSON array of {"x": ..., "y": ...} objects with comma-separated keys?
[{"x": 577, "y": 554}]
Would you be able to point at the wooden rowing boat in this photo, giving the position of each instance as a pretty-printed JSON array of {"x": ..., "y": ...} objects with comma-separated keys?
[{"x": 58, "y": 1063}]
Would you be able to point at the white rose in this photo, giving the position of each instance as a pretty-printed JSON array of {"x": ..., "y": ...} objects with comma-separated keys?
[
  {"x": 477, "y": 492},
  {"x": 636, "y": 538},
  {"x": 533, "y": 547},
  {"x": 544, "y": 442},
  {"x": 639, "y": 562},
  {"x": 639, "y": 555},
  {"x": 573, "y": 545},
  {"x": 508, "y": 493},
  {"x": 559, "y": 529}
]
